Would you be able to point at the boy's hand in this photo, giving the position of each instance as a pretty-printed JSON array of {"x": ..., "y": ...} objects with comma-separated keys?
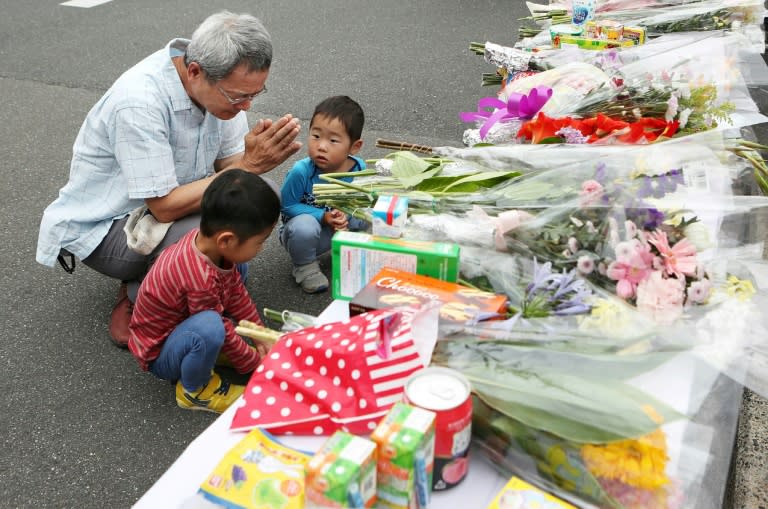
[
  {"x": 261, "y": 348},
  {"x": 336, "y": 219}
]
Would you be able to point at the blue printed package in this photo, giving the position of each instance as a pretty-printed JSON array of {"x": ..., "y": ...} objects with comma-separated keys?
[{"x": 389, "y": 216}]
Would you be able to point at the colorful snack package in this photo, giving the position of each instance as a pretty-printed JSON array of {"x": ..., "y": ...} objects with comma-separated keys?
[
  {"x": 258, "y": 472},
  {"x": 357, "y": 257},
  {"x": 342, "y": 473},
  {"x": 459, "y": 304},
  {"x": 518, "y": 493},
  {"x": 406, "y": 447}
]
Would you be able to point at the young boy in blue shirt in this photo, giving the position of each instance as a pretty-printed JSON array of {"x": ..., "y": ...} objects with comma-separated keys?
[{"x": 307, "y": 229}]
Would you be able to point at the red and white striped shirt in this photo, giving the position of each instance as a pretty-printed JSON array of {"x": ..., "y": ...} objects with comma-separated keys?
[{"x": 183, "y": 282}]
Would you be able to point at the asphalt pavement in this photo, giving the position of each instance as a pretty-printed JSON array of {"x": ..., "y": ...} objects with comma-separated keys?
[{"x": 83, "y": 425}]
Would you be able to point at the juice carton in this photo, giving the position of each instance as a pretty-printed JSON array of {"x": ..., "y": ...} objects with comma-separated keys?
[
  {"x": 458, "y": 303},
  {"x": 357, "y": 257},
  {"x": 389, "y": 216},
  {"x": 518, "y": 493},
  {"x": 258, "y": 472},
  {"x": 342, "y": 473},
  {"x": 405, "y": 441}
]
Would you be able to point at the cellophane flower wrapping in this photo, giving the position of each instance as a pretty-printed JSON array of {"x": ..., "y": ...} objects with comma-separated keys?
[
  {"x": 626, "y": 267},
  {"x": 614, "y": 272},
  {"x": 669, "y": 88},
  {"x": 736, "y": 47},
  {"x": 581, "y": 425},
  {"x": 669, "y": 16}
]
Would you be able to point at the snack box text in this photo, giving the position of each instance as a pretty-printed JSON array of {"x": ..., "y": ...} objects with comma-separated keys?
[
  {"x": 358, "y": 257},
  {"x": 459, "y": 303}
]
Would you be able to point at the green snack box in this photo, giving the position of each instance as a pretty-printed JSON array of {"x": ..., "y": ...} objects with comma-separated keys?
[
  {"x": 358, "y": 257},
  {"x": 342, "y": 473},
  {"x": 591, "y": 43},
  {"x": 405, "y": 439}
]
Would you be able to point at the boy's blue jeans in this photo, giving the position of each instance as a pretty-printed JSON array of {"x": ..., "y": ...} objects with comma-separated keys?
[
  {"x": 190, "y": 350},
  {"x": 305, "y": 238}
]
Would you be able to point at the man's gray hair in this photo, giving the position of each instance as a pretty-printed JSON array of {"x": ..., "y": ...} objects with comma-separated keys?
[{"x": 225, "y": 40}]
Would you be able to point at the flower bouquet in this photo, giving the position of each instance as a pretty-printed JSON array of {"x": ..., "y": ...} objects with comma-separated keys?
[
  {"x": 684, "y": 91},
  {"x": 430, "y": 184},
  {"x": 586, "y": 434},
  {"x": 514, "y": 63},
  {"x": 559, "y": 388},
  {"x": 657, "y": 17},
  {"x": 566, "y": 402}
]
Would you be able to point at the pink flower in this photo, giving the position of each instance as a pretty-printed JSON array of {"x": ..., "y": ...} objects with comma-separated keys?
[
  {"x": 699, "y": 291},
  {"x": 590, "y": 192},
  {"x": 634, "y": 262},
  {"x": 585, "y": 264},
  {"x": 661, "y": 298},
  {"x": 677, "y": 260}
]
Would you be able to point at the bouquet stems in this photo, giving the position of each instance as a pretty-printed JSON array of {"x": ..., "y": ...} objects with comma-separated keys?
[
  {"x": 258, "y": 332},
  {"x": 402, "y": 145},
  {"x": 749, "y": 150}
]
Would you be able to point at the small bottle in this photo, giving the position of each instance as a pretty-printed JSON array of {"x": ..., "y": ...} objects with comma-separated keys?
[{"x": 583, "y": 11}]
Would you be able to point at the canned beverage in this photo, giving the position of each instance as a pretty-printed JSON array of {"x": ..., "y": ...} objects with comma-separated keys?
[{"x": 447, "y": 393}]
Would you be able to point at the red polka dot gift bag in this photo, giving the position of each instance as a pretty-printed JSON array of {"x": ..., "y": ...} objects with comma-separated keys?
[{"x": 339, "y": 376}]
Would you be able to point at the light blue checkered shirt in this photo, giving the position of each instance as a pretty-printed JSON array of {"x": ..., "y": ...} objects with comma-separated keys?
[{"x": 141, "y": 140}]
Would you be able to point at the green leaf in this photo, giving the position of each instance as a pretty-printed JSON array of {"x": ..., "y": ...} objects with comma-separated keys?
[
  {"x": 575, "y": 408},
  {"x": 411, "y": 169},
  {"x": 486, "y": 179},
  {"x": 585, "y": 408},
  {"x": 435, "y": 184},
  {"x": 465, "y": 183},
  {"x": 551, "y": 140}
]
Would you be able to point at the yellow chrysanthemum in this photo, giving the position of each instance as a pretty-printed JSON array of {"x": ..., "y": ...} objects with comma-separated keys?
[
  {"x": 605, "y": 315},
  {"x": 742, "y": 289},
  {"x": 675, "y": 219},
  {"x": 608, "y": 317},
  {"x": 639, "y": 462}
]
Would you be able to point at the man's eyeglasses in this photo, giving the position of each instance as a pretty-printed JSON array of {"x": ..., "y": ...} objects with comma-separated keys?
[{"x": 243, "y": 98}]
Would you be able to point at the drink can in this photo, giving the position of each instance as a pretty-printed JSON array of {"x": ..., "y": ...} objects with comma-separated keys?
[{"x": 447, "y": 393}]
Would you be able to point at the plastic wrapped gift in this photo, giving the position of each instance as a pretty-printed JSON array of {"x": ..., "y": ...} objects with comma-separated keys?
[
  {"x": 389, "y": 215},
  {"x": 339, "y": 376}
]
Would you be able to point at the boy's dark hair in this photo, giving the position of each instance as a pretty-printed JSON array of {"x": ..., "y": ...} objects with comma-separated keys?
[
  {"x": 347, "y": 111},
  {"x": 241, "y": 202}
]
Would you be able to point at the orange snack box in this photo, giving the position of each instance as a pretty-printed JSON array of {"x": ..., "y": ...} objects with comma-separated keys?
[{"x": 459, "y": 304}]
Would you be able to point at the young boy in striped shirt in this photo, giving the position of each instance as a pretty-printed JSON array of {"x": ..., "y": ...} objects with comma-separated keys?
[{"x": 194, "y": 294}]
